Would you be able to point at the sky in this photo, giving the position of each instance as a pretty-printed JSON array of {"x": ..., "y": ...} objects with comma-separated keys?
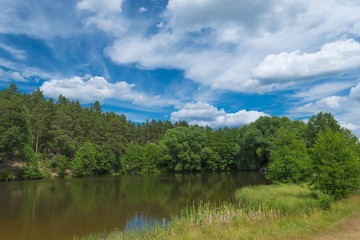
[{"x": 208, "y": 62}]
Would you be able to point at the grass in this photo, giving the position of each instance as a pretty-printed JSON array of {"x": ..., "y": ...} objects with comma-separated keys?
[
  {"x": 264, "y": 212},
  {"x": 286, "y": 198}
]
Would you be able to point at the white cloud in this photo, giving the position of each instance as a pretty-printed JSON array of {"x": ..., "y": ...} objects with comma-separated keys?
[
  {"x": 8, "y": 76},
  {"x": 41, "y": 19},
  {"x": 101, "y": 6},
  {"x": 89, "y": 89},
  {"x": 142, "y": 9},
  {"x": 204, "y": 114},
  {"x": 224, "y": 45},
  {"x": 355, "y": 92},
  {"x": 333, "y": 58},
  {"x": 16, "y": 53},
  {"x": 160, "y": 25},
  {"x": 328, "y": 104},
  {"x": 345, "y": 108},
  {"x": 106, "y": 15},
  {"x": 323, "y": 90},
  {"x": 249, "y": 15}
]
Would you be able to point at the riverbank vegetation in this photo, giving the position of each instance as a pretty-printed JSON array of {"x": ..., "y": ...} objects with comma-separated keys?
[
  {"x": 43, "y": 138},
  {"x": 264, "y": 212},
  {"x": 318, "y": 160}
]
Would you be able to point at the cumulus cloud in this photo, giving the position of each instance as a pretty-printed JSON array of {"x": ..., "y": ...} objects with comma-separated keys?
[
  {"x": 328, "y": 104},
  {"x": 204, "y": 114},
  {"x": 106, "y": 15},
  {"x": 333, "y": 58},
  {"x": 89, "y": 89},
  {"x": 247, "y": 46}
]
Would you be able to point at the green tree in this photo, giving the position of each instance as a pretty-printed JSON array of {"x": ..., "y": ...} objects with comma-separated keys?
[
  {"x": 336, "y": 163},
  {"x": 152, "y": 157},
  {"x": 181, "y": 148},
  {"x": 319, "y": 123},
  {"x": 85, "y": 163},
  {"x": 289, "y": 159},
  {"x": 256, "y": 140},
  {"x": 133, "y": 158}
]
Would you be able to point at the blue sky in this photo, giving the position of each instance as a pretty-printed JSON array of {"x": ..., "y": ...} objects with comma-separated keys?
[{"x": 209, "y": 62}]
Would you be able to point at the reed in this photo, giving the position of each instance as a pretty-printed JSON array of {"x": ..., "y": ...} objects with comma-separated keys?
[{"x": 264, "y": 212}]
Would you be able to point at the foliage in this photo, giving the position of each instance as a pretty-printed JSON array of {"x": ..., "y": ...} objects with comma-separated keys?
[
  {"x": 319, "y": 123},
  {"x": 256, "y": 139},
  {"x": 336, "y": 163},
  {"x": 222, "y": 149},
  {"x": 7, "y": 175},
  {"x": 89, "y": 141},
  {"x": 324, "y": 200},
  {"x": 61, "y": 165},
  {"x": 181, "y": 148},
  {"x": 227, "y": 221},
  {"x": 133, "y": 158},
  {"x": 289, "y": 159},
  {"x": 84, "y": 163},
  {"x": 152, "y": 157}
]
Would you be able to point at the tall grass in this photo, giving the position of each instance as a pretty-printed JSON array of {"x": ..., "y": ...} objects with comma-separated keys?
[
  {"x": 286, "y": 198},
  {"x": 263, "y": 212}
]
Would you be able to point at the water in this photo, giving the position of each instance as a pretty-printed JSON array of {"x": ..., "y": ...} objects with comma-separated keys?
[{"x": 60, "y": 209}]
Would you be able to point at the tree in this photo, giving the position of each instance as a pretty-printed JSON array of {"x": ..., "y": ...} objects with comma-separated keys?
[
  {"x": 181, "y": 148},
  {"x": 14, "y": 122},
  {"x": 289, "y": 159},
  {"x": 336, "y": 163},
  {"x": 255, "y": 141},
  {"x": 133, "y": 158},
  {"x": 84, "y": 163},
  {"x": 222, "y": 149},
  {"x": 319, "y": 123}
]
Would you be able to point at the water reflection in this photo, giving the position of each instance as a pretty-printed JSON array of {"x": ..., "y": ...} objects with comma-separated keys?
[{"x": 63, "y": 208}]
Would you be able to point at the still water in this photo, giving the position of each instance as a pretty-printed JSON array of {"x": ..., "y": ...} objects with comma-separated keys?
[{"x": 60, "y": 209}]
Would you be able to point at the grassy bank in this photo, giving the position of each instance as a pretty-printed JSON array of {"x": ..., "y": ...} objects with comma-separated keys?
[{"x": 263, "y": 212}]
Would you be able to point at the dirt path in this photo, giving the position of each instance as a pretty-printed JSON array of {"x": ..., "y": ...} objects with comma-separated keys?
[{"x": 347, "y": 228}]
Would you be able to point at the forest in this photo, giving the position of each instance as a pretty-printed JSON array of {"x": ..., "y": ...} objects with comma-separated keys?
[{"x": 44, "y": 138}]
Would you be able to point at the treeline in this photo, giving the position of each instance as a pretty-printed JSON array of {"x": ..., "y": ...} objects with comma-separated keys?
[{"x": 43, "y": 138}]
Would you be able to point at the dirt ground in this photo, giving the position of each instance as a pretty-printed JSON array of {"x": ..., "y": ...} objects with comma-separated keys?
[{"x": 346, "y": 228}]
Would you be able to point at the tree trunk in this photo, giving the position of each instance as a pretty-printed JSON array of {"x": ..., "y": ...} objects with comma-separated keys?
[{"x": 37, "y": 142}]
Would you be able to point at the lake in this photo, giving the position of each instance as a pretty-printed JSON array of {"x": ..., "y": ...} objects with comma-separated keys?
[{"x": 62, "y": 208}]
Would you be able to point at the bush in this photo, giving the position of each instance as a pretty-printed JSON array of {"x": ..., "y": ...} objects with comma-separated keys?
[
  {"x": 323, "y": 200},
  {"x": 8, "y": 175},
  {"x": 62, "y": 164},
  {"x": 30, "y": 171}
]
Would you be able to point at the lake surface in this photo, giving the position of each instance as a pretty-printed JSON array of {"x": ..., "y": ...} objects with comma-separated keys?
[{"x": 60, "y": 209}]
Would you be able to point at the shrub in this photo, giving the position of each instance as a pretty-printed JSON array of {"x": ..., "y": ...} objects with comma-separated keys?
[
  {"x": 324, "y": 200},
  {"x": 62, "y": 164},
  {"x": 8, "y": 175}
]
